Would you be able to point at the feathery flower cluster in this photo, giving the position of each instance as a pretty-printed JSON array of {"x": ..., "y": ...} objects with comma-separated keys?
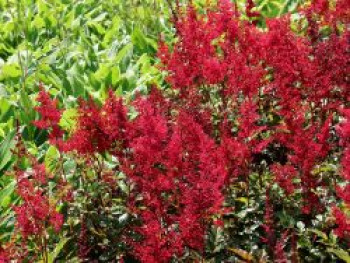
[
  {"x": 179, "y": 172},
  {"x": 343, "y": 219},
  {"x": 34, "y": 215},
  {"x": 50, "y": 116}
]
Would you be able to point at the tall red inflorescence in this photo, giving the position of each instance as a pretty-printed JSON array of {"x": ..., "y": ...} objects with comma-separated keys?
[
  {"x": 343, "y": 220},
  {"x": 179, "y": 175},
  {"x": 50, "y": 116},
  {"x": 35, "y": 215},
  {"x": 344, "y": 132},
  {"x": 36, "y": 212}
]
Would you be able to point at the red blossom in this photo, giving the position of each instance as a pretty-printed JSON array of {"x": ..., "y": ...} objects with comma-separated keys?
[
  {"x": 35, "y": 212},
  {"x": 343, "y": 223},
  {"x": 250, "y": 5},
  {"x": 49, "y": 116},
  {"x": 284, "y": 177},
  {"x": 343, "y": 220},
  {"x": 279, "y": 254},
  {"x": 268, "y": 225},
  {"x": 344, "y": 131}
]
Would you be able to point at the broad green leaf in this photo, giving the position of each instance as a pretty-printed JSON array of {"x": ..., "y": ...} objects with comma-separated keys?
[
  {"x": 10, "y": 71},
  {"x": 6, "y": 192},
  {"x": 51, "y": 158},
  {"x": 69, "y": 119},
  {"x": 38, "y": 22},
  {"x": 125, "y": 51},
  {"x": 139, "y": 40},
  {"x": 340, "y": 253},
  {"x": 115, "y": 75},
  {"x": 5, "y": 149}
]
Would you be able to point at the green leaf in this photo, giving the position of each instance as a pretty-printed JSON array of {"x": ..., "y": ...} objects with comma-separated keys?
[
  {"x": 124, "y": 52},
  {"x": 11, "y": 71},
  {"x": 5, "y": 149},
  {"x": 68, "y": 120},
  {"x": 340, "y": 253},
  {"x": 319, "y": 233},
  {"x": 243, "y": 200},
  {"x": 138, "y": 39},
  {"x": 5, "y": 194},
  {"x": 115, "y": 75},
  {"x": 54, "y": 254},
  {"x": 38, "y": 22},
  {"x": 102, "y": 72},
  {"x": 51, "y": 158}
]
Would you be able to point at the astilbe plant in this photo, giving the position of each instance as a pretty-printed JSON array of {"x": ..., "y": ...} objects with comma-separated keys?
[
  {"x": 36, "y": 215},
  {"x": 243, "y": 103}
]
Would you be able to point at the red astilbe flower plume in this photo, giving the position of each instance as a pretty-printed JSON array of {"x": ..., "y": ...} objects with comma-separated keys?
[
  {"x": 114, "y": 122},
  {"x": 98, "y": 129},
  {"x": 88, "y": 137},
  {"x": 201, "y": 162},
  {"x": 284, "y": 176},
  {"x": 148, "y": 138},
  {"x": 208, "y": 52},
  {"x": 268, "y": 225},
  {"x": 251, "y": 14},
  {"x": 179, "y": 173},
  {"x": 4, "y": 257},
  {"x": 239, "y": 150},
  {"x": 342, "y": 219},
  {"x": 308, "y": 147},
  {"x": 35, "y": 212},
  {"x": 194, "y": 59},
  {"x": 50, "y": 116},
  {"x": 344, "y": 132},
  {"x": 304, "y": 69},
  {"x": 343, "y": 223},
  {"x": 288, "y": 55},
  {"x": 279, "y": 254},
  {"x": 330, "y": 77}
]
